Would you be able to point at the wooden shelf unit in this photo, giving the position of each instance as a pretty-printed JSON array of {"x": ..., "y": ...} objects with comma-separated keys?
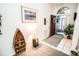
[{"x": 19, "y": 43}]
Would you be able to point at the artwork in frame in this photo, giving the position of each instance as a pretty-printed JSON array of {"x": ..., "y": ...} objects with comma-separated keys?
[
  {"x": 44, "y": 21},
  {"x": 0, "y": 24},
  {"x": 28, "y": 14}
]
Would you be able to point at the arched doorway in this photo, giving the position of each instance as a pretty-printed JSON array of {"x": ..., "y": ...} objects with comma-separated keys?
[
  {"x": 19, "y": 42},
  {"x": 62, "y": 19}
]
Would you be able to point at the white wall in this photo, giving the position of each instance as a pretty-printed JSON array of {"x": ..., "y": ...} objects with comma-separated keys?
[
  {"x": 11, "y": 19},
  {"x": 76, "y": 31}
]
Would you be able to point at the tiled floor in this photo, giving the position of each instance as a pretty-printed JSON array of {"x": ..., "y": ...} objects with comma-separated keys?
[
  {"x": 45, "y": 49},
  {"x": 42, "y": 50},
  {"x": 65, "y": 46}
]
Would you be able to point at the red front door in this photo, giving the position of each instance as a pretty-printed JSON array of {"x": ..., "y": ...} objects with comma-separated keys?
[{"x": 52, "y": 25}]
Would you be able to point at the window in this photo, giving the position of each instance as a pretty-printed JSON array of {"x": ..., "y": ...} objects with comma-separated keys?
[{"x": 63, "y": 10}]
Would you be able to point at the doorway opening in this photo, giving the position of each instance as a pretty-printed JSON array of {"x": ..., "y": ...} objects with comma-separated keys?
[
  {"x": 60, "y": 24},
  {"x": 62, "y": 19}
]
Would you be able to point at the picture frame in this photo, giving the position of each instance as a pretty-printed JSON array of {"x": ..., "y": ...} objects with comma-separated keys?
[
  {"x": 44, "y": 21},
  {"x": 28, "y": 14},
  {"x": 0, "y": 25}
]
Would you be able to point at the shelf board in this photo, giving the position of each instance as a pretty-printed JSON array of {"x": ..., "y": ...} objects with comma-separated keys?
[{"x": 19, "y": 43}]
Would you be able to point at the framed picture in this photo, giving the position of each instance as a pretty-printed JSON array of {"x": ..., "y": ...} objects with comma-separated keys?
[
  {"x": 28, "y": 14},
  {"x": 44, "y": 21},
  {"x": 0, "y": 25}
]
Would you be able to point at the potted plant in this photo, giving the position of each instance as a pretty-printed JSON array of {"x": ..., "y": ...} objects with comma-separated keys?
[{"x": 69, "y": 31}]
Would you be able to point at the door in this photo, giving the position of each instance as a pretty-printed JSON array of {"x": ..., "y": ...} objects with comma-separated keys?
[
  {"x": 52, "y": 25},
  {"x": 59, "y": 24}
]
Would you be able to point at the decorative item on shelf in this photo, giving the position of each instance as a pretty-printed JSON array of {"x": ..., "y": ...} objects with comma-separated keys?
[
  {"x": 0, "y": 24},
  {"x": 35, "y": 40}
]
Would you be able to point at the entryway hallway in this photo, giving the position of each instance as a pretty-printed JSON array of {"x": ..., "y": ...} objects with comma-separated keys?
[
  {"x": 43, "y": 49},
  {"x": 62, "y": 47}
]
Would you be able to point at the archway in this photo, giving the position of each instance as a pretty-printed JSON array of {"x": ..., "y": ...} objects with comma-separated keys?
[
  {"x": 19, "y": 42},
  {"x": 62, "y": 19}
]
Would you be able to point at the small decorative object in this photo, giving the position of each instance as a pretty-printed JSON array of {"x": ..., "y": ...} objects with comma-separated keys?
[
  {"x": 0, "y": 25},
  {"x": 44, "y": 21},
  {"x": 35, "y": 41},
  {"x": 28, "y": 14},
  {"x": 69, "y": 31}
]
